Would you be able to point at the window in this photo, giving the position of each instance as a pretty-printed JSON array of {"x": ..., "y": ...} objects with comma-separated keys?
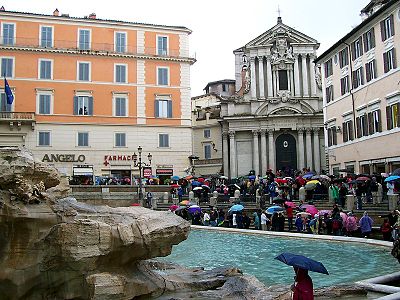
[
  {"x": 344, "y": 57},
  {"x": 329, "y": 94},
  {"x": 344, "y": 85},
  {"x": 207, "y": 133},
  {"x": 120, "y": 139},
  {"x": 162, "y": 78},
  {"x": 44, "y": 104},
  {"x": 348, "y": 131},
  {"x": 393, "y": 116},
  {"x": 370, "y": 70},
  {"x": 362, "y": 125},
  {"x": 207, "y": 151},
  {"x": 84, "y": 39},
  {"x": 8, "y": 34},
  {"x": 356, "y": 48},
  {"x": 328, "y": 68},
  {"x": 83, "y": 106},
  {"x": 162, "y": 45},
  {"x": 120, "y": 73},
  {"x": 369, "y": 40},
  {"x": 374, "y": 122},
  {"x": 45, "y": 69},
  {"x": 83, "y": 139},
  {"x": 332, "y": 136},
  {"x": 358, "y": 77},
  {"x": 7, "y": 67},
  {"x": 46, "y": 37},
  {"x": 389, "y": 60},
  {"x": 283, "y": 80},
  {"x": 83, "y": 71},
  {"x": 120, "y": 107},
  {"x": 120, "y": 42},
  {"x": 224, "y": 87},
  {"x": 163, "y": 108},
  {"x": 4, "y": 106},
  {"x": 44, "y": 138},
  {"x": 163, "y": 140},
  {"x": 387, "y": 28}
]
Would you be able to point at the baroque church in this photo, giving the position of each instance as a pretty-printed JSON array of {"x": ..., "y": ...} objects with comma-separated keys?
[{"x": 274, "y": 120}]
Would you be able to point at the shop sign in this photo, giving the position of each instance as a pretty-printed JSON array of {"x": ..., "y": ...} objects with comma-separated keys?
[
  {"x": 147, "y": 172},
  {"x": 165, "y": 172},
  {"x": 108, "y": 158},
  {"x": 165, "y": 166},
  {"x": 63, "y": 158}
]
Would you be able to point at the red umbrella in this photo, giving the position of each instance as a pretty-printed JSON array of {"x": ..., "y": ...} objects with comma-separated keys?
[
  {"x": 135, "y": 204},
  {"x": 291, "y": 204},
  {"x": 363, "y": 178},
  {"x": 174, "y": 185},
  {"x": 281, "y": 180},
  {"x": 200, "y": 179},
  {"x": 173, "y": 207}
]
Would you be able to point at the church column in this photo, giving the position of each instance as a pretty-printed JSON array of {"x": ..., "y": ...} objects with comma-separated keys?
[
  {"x": 256, "y": 161},
  {"x": 291, "y": 82},
  {"x": 296, "y": 75},
  {"x": 253, "y": 84},
  {"x": 309, "y": 148},
  {"x": 232, "y": 147},
  {"x": 269, "y": 77},
  {"x": 304, "y": 74},
  {"x": 317, "y": 158},
  {"x": 261, "y": 75},
  {"x": 225, "y": 153},
  {"x": 271, "y": 150},
  {"x": 300, "y": 137},
  {"x": 312, "y": 77},
  {"x": 263, "y": 152}
]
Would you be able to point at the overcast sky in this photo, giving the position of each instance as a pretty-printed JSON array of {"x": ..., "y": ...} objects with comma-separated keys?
[{"x": 219, "y": 26}]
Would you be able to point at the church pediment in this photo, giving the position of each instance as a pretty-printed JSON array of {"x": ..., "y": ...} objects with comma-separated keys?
[{"x": 269, "y": 37}]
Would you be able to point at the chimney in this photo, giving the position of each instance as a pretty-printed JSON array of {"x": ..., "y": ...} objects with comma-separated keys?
[
  {"x": 92, "y": 16},
  {"x": 56, "y": 13}
]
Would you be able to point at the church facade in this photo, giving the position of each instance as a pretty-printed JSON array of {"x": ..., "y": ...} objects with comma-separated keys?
[{"x": 275, "y": 119}]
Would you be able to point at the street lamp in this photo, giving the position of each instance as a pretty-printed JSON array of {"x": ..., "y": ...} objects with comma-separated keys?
[
  {"x": 192, "y": 159},
  {"x": 140, "y": 164}
]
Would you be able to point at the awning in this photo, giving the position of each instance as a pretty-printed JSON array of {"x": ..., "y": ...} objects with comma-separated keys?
[{"x": 83, "y": 171}]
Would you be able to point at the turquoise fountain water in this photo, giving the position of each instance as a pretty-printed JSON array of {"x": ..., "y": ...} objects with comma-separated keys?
[{"x": 254, "y": 254}]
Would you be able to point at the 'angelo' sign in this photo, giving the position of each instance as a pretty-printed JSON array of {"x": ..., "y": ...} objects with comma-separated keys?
[{"x": 63, "y": 158}]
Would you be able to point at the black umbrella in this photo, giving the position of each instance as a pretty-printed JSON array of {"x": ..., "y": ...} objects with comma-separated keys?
[
  {"x": 302, "y": 262},
  {"x": 396, "y": 172}
]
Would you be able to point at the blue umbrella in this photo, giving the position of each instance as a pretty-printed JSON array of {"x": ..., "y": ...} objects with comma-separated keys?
[
  {"x": 302, "y": 262},
  {"x": 272, "y": 209},
  {"x": 392, "y": 178},
  {"x": 252, "y": 177},
  {"x": 236, "y": 207},
  {"x": 308, "y": 176},
  {"x": 175, "y": 177},
  {"x": 194, "y": 208},
  {"x": 196, "y": 183}
]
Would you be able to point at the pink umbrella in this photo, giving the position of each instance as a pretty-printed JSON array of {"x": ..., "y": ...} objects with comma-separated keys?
[
  {"x": 291, "y": 204},
  {"x": 325, "y": 211},
  {"x": 310, "y": 209},
  {"x": 173, "y": 207},
  {"x": 344, "y": 216}
]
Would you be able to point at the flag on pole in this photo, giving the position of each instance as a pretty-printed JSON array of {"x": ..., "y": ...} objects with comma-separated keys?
[{"x": 9, "y": 94}]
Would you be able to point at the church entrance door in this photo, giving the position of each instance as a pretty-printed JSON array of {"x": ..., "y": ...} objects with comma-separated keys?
[{"x": 286, "y": 154}]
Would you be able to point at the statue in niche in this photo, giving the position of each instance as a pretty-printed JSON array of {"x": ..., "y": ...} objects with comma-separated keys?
[
  {"x": 281, "y": 51},
  {"x": 318, "y": 77}
]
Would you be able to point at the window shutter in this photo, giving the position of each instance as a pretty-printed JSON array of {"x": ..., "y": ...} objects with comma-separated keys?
[
  {"x": 373, "y": 37},
  {"x": 358, "y": 124},
  {"x": 365, "y": 42},
  {"x": 334, "y": 133},
  {"x": 389, "y": 118},
  {"x": 367, "y": 73},
  {"x": 169, "y": 109},
  {"x": 341, "y": 59},
  {"x": 90, "y": 109},
  {"x": 362, "y": 75},
  {"x": 42, "y": 70},
  {"x": 370, "y": 123},
  {"x": 351, "y": 135},
  {"x": 385, "y": 63},
  {"x": 383, "y": 30},
  {"x": 353, "y": 51},
  {"x": 392, "y": 24},
  {"x": 329, "y": 137},
  {"x": 354, "y": 77},
  {"x": 394, "y": 58},
  {"x": 361, "y": 47},
  {"x": 379, "y": 121},
  {"x": 345, "y": 136},
  {"x": 156, "y": 109},
  {"x": 365, "y": 125},
  {"x": 398, "y": 114},
  {"x": 75, "y": 105}
]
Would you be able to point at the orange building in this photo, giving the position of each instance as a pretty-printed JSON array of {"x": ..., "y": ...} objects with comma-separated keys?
[{"x": 88, "y": 90}]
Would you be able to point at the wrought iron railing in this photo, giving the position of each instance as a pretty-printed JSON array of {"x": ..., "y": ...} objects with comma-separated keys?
[{"x": 17, "y": 116}]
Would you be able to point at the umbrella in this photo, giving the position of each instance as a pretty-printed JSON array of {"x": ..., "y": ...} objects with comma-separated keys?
[
  {"x": 196, "y": 183},
  {"x": 173, "y": 207},
  {"x": 272, "y": 209},
  {"x": 252, "y": 177},
  {"x": 185, "y": 202},
  {"x": 308, "y": 176},
  {"x": 324, "y": 211},
  {"x": 235, "y": 185},
  {"x": 135, "y": 204},
  {"x": 311, "y": 209},
  {"x": 236, "y": 207},
  {"x": 197, "y": 188},
  {"x": 189, "y": 177},
  {"x": 174, "y": 185},
  {"x": 223, "y": 177},
  {"x": 344, "y": 216},
  {"x": 194, "y": 208},
  {"x": 396, "y": 172},
  {"x": 291, "y": 204},
  {"x": 303, "y": 214},
  {"x": 200, "y": 179},
  {"x": 310, "y": 186},
  {"x": 175, "y": 177},
  {"x": 392, "y": 178},
  {"x": 326, "y": 177},
  {"x": 205, "y": 187},
  {"x": 281, "y": 180},
  {"x": 302, "y": 262},
  {"x": 313, "y": 181},
  {"x": 316, "y": 177},
  {"x": 363, "y": 178}
]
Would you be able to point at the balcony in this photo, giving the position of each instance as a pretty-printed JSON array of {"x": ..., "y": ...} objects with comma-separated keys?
[
  {"x": 92, "y": 48},
  {"x": 17, "y": 119}
]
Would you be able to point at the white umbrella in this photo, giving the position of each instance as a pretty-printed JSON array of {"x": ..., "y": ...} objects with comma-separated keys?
[{"x": 197, "y": 188}]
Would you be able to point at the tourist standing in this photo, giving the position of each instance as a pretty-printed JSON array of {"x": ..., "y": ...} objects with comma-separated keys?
[
  {"x": 299, "y": 223},
  {"x": 206, "y": 219},
  {"x": 256, "y": 221},
  {"x": 386, "y": 230},
  {"x": 303, "y": 286},
  {"x": 289, "y": 213},
  {"x": 264, "y": 221},
  {"x": 351, "y": 224},
  {"x": 366, "y": 225}
]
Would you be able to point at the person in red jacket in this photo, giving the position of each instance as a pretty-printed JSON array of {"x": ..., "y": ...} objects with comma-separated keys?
[
  {"x": 289, "y": 213},
  {"x": 303, "y": 286},
  {"x": 386, "y": 230}
]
